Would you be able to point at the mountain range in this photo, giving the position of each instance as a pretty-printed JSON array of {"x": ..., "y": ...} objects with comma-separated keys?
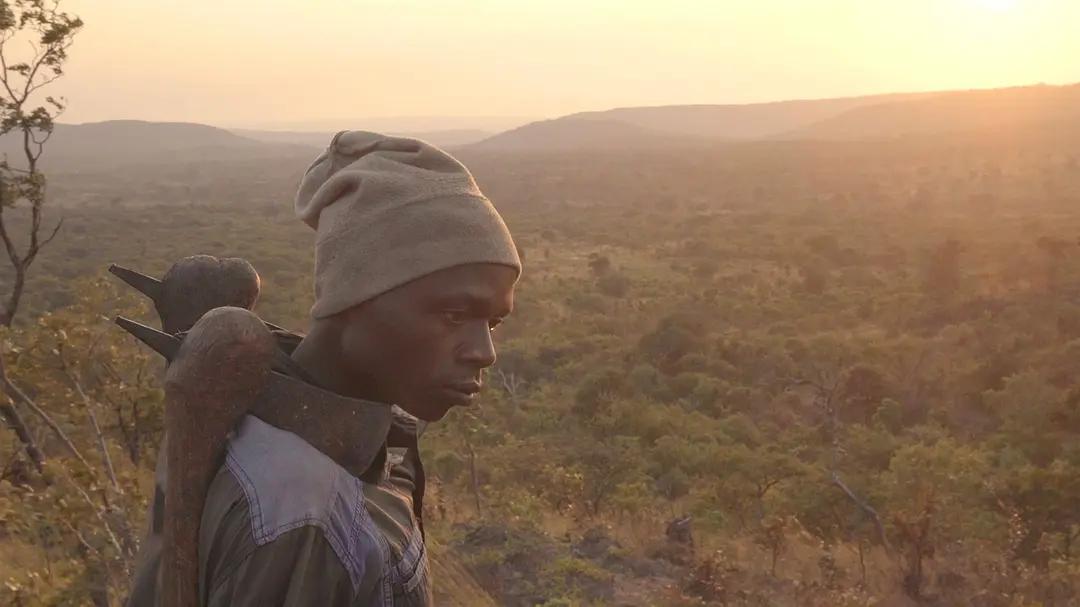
[
  {"x": 104, "y": 145},
  {"x": 845, "y": 119},
  {"x": 1028, "y": 109}
]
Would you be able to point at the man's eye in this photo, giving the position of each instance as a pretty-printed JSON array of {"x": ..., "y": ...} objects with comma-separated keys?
[
  {"x": 494, "y": 323},
  {"x": 455, "y": 316}
]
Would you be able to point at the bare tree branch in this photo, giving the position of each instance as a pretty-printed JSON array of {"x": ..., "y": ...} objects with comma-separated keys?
[
  {"x": 3, "y": 65},
  {"x": 82, "y": 540},
  {"x": 511, "y": 382},
  {"x": 97, "y": 514},
  {"x": 73, "y": 378},
  {"x": 47, "y": 80},
  {"x": 10, "y": 463},
  {"x": 15, "y": 421},
  {"x": 55, "y": 231},
  {"x": 15, "y": 394},
  {"x": 9, "y": 245},
  {"x": 867, "y": 509}
]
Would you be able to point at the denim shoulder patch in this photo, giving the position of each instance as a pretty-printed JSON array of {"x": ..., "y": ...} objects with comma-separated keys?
[{"x": 289, "y": 484}]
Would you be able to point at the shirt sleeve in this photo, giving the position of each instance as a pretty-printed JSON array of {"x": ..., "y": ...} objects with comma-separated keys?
[{"x": 298, "y": 569}]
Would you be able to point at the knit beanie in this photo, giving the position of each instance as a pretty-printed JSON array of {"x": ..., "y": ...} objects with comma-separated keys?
[{"x": 388, "y": 210}]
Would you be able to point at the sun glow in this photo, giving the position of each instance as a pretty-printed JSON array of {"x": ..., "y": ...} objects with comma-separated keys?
[
  {"x": 495, "y": 58},
  {"x": 999, "y": 6}
]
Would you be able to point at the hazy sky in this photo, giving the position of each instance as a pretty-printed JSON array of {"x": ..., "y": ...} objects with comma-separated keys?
[{"x": 309, "y": 63}]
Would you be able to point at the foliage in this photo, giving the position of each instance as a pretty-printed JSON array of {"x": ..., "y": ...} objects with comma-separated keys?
[
  {"x": 49, "y": 32},
  {"x": 857, "y": 387}
]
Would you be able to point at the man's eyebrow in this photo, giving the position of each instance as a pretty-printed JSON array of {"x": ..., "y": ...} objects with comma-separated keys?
[{"x": 476, "y": 304}]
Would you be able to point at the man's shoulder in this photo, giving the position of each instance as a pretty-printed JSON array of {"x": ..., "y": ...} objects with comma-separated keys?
[
  {"x": 285, "y": 484},
  {"x": 285, "y": 480}
]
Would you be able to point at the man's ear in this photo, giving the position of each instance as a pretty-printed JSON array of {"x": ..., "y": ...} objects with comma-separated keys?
[
  {"x": 349, "y": 321},
  {"x": 327, "y": 329}
]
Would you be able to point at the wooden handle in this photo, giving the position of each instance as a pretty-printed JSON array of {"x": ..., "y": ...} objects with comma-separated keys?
[{"x": 220, "y": 369}]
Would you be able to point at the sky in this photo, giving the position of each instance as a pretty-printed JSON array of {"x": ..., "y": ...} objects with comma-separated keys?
[{"x": 429, "y": 64}]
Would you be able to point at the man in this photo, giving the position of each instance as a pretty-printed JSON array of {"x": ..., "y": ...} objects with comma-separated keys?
[{"x": 414, "y": 269}]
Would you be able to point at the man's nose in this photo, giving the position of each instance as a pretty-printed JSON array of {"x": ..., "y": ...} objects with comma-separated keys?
[{"x": 478, "y": 350}]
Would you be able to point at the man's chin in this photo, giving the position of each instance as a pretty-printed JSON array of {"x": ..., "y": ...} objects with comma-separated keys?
[
  {"x": 438, "y": 403},
  {"x": 434, "y": 416},
  {"x": 428, "y": 412}
]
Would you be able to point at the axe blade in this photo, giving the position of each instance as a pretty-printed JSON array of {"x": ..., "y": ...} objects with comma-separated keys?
[
  {"x": 147, "y": 285},
  {"x": 162, "y": 343}
]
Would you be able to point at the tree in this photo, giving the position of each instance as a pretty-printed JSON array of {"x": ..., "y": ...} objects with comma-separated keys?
[
  {"x": 49, "y": 32},
  {"x": 609, "y": 465},
  {"x": 1045, "y": 500},
  {"x": 102, "y": 391},
  {"x": 937, "y": 498},
  {"x": 771, "y": 535},
  {"x": 943, "y": 271},
  {"x": 862, "y": 390},
  {"x": 673, "y": 338},
  {"x": 599, "y": 264},
  {"x": 746, "y": 477}
]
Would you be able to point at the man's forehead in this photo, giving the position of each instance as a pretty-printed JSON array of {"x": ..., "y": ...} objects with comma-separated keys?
[{"x": 480, "y": 282}]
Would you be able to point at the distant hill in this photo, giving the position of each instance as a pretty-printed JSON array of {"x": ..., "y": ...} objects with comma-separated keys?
[
  {"x": 852, "y": 118},
  {"x": 743, "y": 121},
  {"x": 105, "y": 145},
  {"x": 101, "y": 145},
  {"x": 1013, "y": 109},
  {"x": 1030, "y": 111},
  {"x": 444, "y": 138},
  {"x": 581, "y": 133}
]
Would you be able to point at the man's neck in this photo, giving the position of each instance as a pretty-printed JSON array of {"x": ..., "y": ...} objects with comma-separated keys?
[
  {"x": 320, "y": 359},
  {"x": 322, "y": 366}
]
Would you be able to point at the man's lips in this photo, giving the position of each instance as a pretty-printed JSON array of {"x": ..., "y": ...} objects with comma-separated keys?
[
  {"x": 461, "y": 393},
  {"x": 465, "y": 387}
]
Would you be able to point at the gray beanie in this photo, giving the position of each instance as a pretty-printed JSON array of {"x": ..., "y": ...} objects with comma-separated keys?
[{"x": 388, "y": 210}]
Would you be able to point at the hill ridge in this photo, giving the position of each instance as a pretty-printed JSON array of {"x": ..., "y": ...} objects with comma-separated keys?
[{"x": 787, "y": 119}]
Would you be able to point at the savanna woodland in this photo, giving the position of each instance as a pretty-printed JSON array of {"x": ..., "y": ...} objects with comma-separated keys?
[{"x": 764, "y": 373}]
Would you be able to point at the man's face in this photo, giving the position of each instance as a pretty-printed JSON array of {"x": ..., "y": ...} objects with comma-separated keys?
[{"x": 423, "y": 345}]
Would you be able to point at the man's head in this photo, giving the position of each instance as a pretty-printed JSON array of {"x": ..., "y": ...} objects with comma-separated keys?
[
  {"x": 414, "y": 267},
  {"x": 424, "y": 344}
]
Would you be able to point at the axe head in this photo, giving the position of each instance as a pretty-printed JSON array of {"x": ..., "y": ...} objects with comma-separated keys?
[
  {"x": 195, "y": 285},
  {"x": 147, "y": 285},
  {"x": 162, "y": 343},
  {"x": 168, "y": 345}
]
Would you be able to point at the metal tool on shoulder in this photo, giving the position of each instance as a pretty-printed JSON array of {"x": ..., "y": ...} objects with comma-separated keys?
[
  {"x": 225, "y": 363},
  {"x": 195, "y": 285}
]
